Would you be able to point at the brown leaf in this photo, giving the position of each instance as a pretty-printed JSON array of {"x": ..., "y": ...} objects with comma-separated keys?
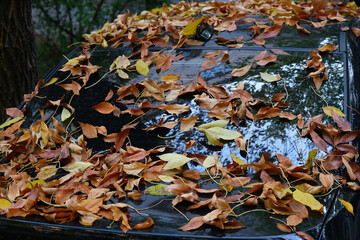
[
  {"x": 270, "y": 32},
  {"x": 209, "y": 63},
  {"x": 212, "y": 54},
  {"x": 327, "y": 180},
  {"x": 194, "y": 223},
  {"x": 88, "y": 130},
  {"x": 14, "y": 112},
  {"x": 319, "y": 142},
  {"x": 260, "y": 55},
  {"x": 174, "y": 108},
  {"x": 104, "y": 108},
  {"x": 188, "y": 123},
  {"x": 239, "y": 72},
  {"x": 191, "y": 173},
  {"x": 287, "y": 115},
  {"x": 293, "y": 220},
  {"x": 283, "y": 227},
  {"x": 146, "y": 224},
  {"x": 266, "y": 60},
  {"x": 267, "y": 112},
  {"x": 259, "y": 41},
  {"x": 134, "y": 195},
  {"x": 328, "y": 48},
  {"x": 319, "y": 5},
  {"x": 304, "y": 235},
  {"x": 189, "y": 144}
]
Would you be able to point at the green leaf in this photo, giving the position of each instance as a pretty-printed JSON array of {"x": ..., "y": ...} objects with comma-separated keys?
[
  {"x": 269, "y": 77},
  {"x": 190, "y": 29},
  {"x": 33, "y": 183},
  {"x": 347, "y": 205},
  {"x": 142, "y": 67},
  {"x": 223, "y": 133},
  {"x": 10, "y": 122},
  {"x": 4, "y": 203},
  {"x": 158, "y": 190},
  {"x": 174, "y": 160},
  {"x": 77, "y": 166},
  {"x": 65, "y": 114},
  {"x": 308, "y": 200}
]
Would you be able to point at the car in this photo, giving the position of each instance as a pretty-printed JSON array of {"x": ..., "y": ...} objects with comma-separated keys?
[{"x": 221, "y": 125}]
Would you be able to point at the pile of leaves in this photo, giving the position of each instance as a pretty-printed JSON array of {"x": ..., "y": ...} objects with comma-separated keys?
[{"x": 48, "y": 170}]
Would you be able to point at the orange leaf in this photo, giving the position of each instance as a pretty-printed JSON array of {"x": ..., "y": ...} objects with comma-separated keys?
[
  {"x": 267, "y": 112},
  {"x": 146, "y": 224},
  {"x": 88, "y": 130},
  {"x": 104, "y": 108}
]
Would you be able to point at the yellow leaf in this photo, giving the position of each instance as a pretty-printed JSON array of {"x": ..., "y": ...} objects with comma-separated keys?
[
  {"x": 328, "y": 109},
  {"x": 4, "y": 203},
  {"x": 33, "y": 183},
  {"x": 347, "y": 205},
  {"x": 214, "y": 131},
  {"x": 174, "y": 160},
  {"x": 269, "y": 77},
  {"x": 170, "y": 77},
  {"x": 142, "y": 67},
  {"x": 209, "y": 161},
  {"x": 218, "y": 123},
  {"x": 65, "y": 114},
  {"x": 308, "y": 200},
  {"x": 10, "y": 122},
  {"x": 190, "y": 29},
  {"x": 166, "y": 178},
  {"x": 52, "y": 81},
  {"x": 77, "y": 166},
  {"x": 237, "y": 159},
  {"x": 45, "y": 134}
]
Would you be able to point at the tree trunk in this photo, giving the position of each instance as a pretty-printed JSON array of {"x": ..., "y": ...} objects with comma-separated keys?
[{"x": 17, "y": 53}]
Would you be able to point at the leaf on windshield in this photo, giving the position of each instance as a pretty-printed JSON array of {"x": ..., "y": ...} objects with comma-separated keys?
[
  {"x": 190, "y": 29},
  {"x": 214, "y": 131},
  {"x": 269, "y": 77},
  {"x": 142, "y": 67}
]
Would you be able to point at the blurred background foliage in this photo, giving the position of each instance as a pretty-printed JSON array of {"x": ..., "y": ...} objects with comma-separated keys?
[{"x": 59, "y": 23}]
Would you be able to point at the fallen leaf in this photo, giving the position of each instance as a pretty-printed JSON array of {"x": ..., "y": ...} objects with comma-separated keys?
[
  {"x": 267, "y": 60},
  {"x": 190, "y": 29},
  {"x": 174, "y": 160},
  {"x": 77, "y": 166},
  {"x": 308, "y": 200},
  {"x": 4, "y": 203},
  {"x": 239, "y": 72},
  {"x": 65, "y": 114},
  {"x": 329, "y": 109},
  {"x": 347, "y": 205},
  {"x": 10, "y": 122},
  {"x": 146, "y": 224},
  {"x": 88, "y": 130},
  {"x": 142, "y": 67},
  {"x": 328, "y": 48},
  {"x": 104, "y": 108},
  {"x": 269, "y": 77},
  {"x": 158, "y": 190},
  {"x": 209, "y": 63},
  {"x": 356, "y": 31}
]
